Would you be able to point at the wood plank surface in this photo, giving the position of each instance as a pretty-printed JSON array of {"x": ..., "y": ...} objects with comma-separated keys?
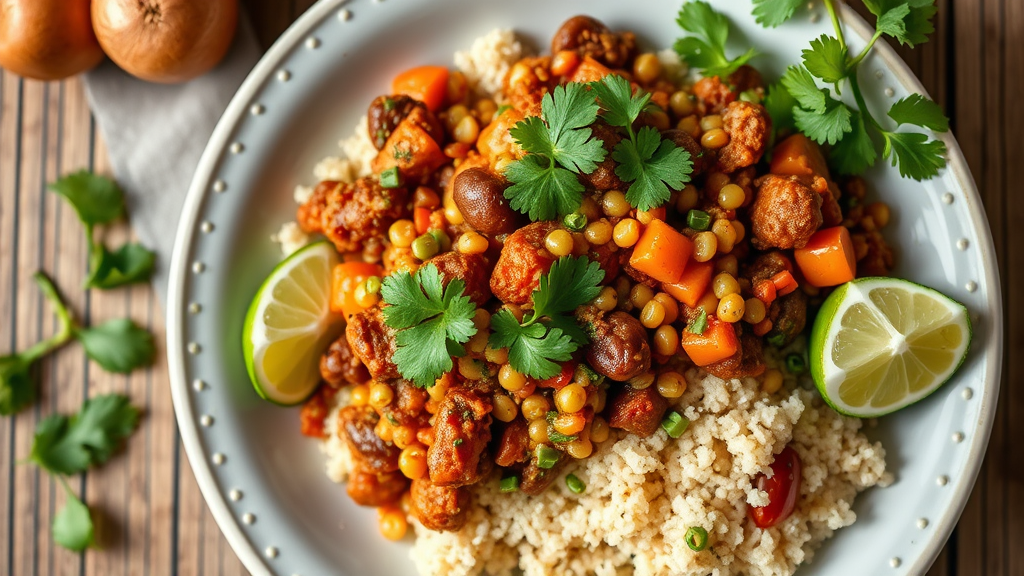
[{"x": 152, "y": 518}]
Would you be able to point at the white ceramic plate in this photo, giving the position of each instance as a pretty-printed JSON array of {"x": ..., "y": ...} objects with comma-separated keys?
[{"x": 265, "y": 483}]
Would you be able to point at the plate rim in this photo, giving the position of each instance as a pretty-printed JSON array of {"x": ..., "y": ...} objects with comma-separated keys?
[{"x": 202, "y": 181}]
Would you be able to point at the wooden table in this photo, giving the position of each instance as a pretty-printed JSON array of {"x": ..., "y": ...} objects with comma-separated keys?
[{"x": 153, "y": 518}]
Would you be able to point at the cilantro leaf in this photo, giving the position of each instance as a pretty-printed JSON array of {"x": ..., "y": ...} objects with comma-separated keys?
[
  {"x": 16, "y": 390},
  {"x": 542, "y": 190},
  {"x": 826, "y": 59},
  {"x": 856, "y": 151},
  {"x": 891, "y": 21},
  {"x": 706, "y": 48},
  {"x": 780, "y": 103},
  {"x": 117, "y": 345},
  {"x": 916, "y": 156},
  {"x": 69, "y": 445},
  {"x": 652, "y": 165},
  {"x": 129, "y": 264},
  {"x": 919, "y": 111},
  {"x": 433, "y": 323},
  {"x": 533, "y": 349},
  {"x": 909, "y": 21},
  {"x": 772, "y": 13},
  {"x": 827, "y": 126},
  {"x": 96, "y": 199},
  {"x": 802, "y": 88},
  {"x": 72, "y": 525},
  {"x": 570, "y": 283},
  {"x": 619, "y": 105}
]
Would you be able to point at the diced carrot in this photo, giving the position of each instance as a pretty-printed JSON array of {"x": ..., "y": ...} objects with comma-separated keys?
[
  {"x": 693, "y": 283},
  {"x": 798, "y": 155},
  {"x": 661, "y": 252},
  {"x": 421, "y": 217},
  {"x": 411, "y": 148},
  {"x": 764, "y": 290},
  {"x": 589, "y": 70},
  {"x": 428, "y": 84},
  {"x": 718, "y": 342},
  {"x": 562, "y": 379},
  {"x": 344, "y": 279},
  {"x": 828, "y": 258},
  {"x": 763, "y": 327},
  {"x": 784, "y": 283}
]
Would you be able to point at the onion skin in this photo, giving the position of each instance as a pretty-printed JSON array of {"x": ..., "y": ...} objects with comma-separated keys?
[
  {"x": 47, "y": 39},
  {"x": 166, "y": 41}
]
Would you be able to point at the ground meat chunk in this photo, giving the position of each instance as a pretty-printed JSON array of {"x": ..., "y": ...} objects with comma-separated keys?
[
  {"x": 603, "y": 177},
  {"x": 470, "y": 268},
  {"x": 745, "y": 78},
  {"x": 387, "y": 112},
  {"x": 789, "y": 316},
  {"x": 590, "y": 37},
  {"x": 878, "y": 258},
  {"x": 375, "y": 490},
  {"x": 514, "y": 445},
  {"x": 351, "y": 214},
  {"x": 534, "y": 480},
  {"x": 785, "y": 214},
  {"x": 749, "y": 128},
  {"x": 373, "y": 342},
  {"x": 339, "y": 366},
  {"x": 523, "y": 260},
  {"x": 409, "y": 407},
  {"x": 618, "y": 345},
  {"x": 637, "y": 411},
  {"x": 747, "y": 361},
  {"x": 461, "y": 433},
  {"x": 767, "y": 265},
  {"x": 713, "y": 94},
  {"x": 442, "y": 508},
  {"x": 607, "y": 257},
  {"x": 356, "y": 426},
  {"x": 702, "y": 158}
]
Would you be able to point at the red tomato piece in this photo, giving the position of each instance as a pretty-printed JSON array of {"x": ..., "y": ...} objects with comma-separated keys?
[{"x": 783, "y": 488}]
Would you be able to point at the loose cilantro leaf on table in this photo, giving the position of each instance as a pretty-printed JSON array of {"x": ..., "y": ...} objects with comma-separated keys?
[
  {"x": 72, "y": 525},
  {"x": 117, "y": 345},
  {"x": 559, "y": 146},
  {"x": 705, "y": 49},
  {"x": 432, "y": 322},
  {"x": 98, "y": 200},
  {"x": 650, "y": 164},
  {"x": 549, "y": 333}
]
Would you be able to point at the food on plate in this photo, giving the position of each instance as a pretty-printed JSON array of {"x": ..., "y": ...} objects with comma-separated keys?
[
  {"x": 576, "y": 288},
  {"x": 47, "y": 39},
  {"x": 165, "y": 41}
]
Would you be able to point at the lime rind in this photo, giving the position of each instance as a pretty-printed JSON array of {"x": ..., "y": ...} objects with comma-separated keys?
[
  {"x": 892, "y": 316},
  {"x": 288, "y": 322}
]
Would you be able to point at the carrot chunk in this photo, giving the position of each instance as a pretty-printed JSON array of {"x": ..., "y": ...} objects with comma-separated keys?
[
  {"x": 784, "y": 282},
  {"x": 428, "y": 84},
  {"x": 693, "y": 283},
  {"x": 828, "y": 258},
  {"x": 411, "y": 148},
  {"x": 344, "y": 279},
  {"x": 662, "y": 252},
  {"x": 798, "y": 155},
  {"x": 717, "y": 342},
  {"x": 421, "y": 218}
]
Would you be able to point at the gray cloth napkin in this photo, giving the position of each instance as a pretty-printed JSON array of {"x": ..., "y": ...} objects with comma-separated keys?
[{"x": 155, "y": 134}]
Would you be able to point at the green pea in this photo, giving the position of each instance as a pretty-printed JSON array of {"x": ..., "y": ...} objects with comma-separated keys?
[{"x": 425, "y": 247}]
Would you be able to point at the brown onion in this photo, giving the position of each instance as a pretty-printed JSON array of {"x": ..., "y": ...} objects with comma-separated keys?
[
  {"x": 47, "y": 39},
  {"x": 165, "y": 40}
]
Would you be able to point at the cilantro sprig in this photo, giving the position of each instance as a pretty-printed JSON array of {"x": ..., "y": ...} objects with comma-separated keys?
[
  {"x": 117, "y": 346},
  {"x": 705, "y": 49},
  {"x": 65, "y": 445},
  {"x": 433, "y": 322},
  {"x": 650, "y": 164},
  {"x": 549, "y": 333},
  {"x": 98, "y": 200},
  {"x": 853, "y": 131},
  {"x": 559, "y": 146}
]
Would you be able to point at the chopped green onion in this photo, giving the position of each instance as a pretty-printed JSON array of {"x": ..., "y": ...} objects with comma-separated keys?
[
  {"x": 777, "y": 339},
  {"x": 696, "y": 538},
  {"x": 502, "y": 109},
  {"x": 575, "y": 221},
  {"x": 796, "y": 364},
  {"x": 674, "y": 424},
  {"x": 700, "y": 324},
  {"x": 458, "y": 442},
  {"x": 390, "y": 178},
  {"x": 510, "y": 484},
  {"x": 547, "y": 457},
  {"x": 698, "y": 219},
  {"x": 576, "y": 486},
  {"x": 372, "y": 285}
]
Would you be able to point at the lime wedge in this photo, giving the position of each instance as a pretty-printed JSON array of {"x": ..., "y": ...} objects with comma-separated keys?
[
  {"x": 880, "y": 344},
  {"x": 289, "y": 323}
]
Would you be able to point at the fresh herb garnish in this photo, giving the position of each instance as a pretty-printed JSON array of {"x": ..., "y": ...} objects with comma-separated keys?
[
  {"x": 706, "y": 48},
  {"x": 651, "y": 164},
  {"x": 699, "y": 324},
  {"x": 853, "y": 130},
  {"x": 117, "y": 346},
  {"x": 696, "y": 538},
  {"x": 70, "y": 445},
  {"x": 559, "y": 146},
  {"x": 549, "y": 333},
  {"x": 432, "y": 322},
  {"x": 98, "y": 200}
]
